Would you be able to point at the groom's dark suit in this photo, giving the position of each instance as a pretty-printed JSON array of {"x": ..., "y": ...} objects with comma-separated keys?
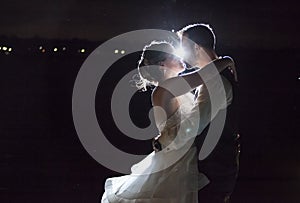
[{"x": 221, "y": 166}]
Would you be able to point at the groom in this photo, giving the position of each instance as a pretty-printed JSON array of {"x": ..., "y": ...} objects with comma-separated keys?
[{"x": 222, "y": 164}]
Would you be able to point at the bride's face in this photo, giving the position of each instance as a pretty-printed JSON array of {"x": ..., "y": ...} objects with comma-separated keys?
[{"x": 173, "y": 64}]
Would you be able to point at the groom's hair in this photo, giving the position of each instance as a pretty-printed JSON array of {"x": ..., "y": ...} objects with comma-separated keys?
[{"x": 202, "y": 34}]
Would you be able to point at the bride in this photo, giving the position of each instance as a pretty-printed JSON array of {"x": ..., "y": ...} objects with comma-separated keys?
[{"x": 170, "y": 173}]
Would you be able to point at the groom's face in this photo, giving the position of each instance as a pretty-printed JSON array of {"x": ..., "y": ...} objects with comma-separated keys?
[{"x": 189, "y": 48}]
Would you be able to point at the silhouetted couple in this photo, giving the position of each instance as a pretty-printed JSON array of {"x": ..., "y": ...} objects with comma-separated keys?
[{"x": 186, "y": 108}]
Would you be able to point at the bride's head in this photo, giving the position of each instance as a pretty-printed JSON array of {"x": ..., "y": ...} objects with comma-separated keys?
[{"x": 158, "y": 63}]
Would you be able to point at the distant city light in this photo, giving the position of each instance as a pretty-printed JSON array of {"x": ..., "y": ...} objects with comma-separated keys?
[
  {"x": 173, "y": 30},
  {"x": 0, "y": 48},
  {"x": 4, "y": 48},
  {"x": 82, "y": 50},
  {"x": 55, "y": 49},
  {"x": 116, "y": 51},
  {"x": 43, "y": 50},
  {"x": 10, "y": 49},
  {"x": 123, "y": 52},
  {"x": 64, "y": 48},
  {"x": 298, "y": 78}
]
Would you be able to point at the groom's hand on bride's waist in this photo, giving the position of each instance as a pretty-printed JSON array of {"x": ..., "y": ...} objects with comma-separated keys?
[{"x": 156, "y": 144}]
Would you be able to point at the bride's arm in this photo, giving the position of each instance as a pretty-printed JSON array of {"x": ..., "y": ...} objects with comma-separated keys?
[
  {"x": 194, "y": 79},
  {"x": 180, "y": 85}
]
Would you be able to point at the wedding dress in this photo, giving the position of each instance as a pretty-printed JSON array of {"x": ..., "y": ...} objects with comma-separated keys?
[{"x": 167, "y": 176}]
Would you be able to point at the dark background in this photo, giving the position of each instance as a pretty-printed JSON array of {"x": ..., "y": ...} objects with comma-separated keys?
[{"x": 41, "y": 157}]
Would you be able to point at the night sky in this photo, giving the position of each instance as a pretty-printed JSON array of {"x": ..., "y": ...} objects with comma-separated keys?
[{"x": 255, "y": 23}]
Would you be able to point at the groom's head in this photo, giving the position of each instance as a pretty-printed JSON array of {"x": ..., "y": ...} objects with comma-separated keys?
[{"x": 199, "y": 41}]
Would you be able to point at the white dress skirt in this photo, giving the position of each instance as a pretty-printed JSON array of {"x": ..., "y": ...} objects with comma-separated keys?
[{"x": 167, "y": 176}]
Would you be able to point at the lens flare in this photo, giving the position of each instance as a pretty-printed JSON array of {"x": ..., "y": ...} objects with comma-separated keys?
[{"x": 179, "y": 52}]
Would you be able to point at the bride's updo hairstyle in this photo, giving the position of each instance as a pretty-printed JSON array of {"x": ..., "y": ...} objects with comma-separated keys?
[{"x": 149, "y": 71}]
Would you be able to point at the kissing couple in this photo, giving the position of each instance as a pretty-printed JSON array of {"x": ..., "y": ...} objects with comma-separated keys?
[{"x": 188, "y": 109}]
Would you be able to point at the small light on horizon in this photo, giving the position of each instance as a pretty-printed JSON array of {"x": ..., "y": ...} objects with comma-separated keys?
[
  {"x": 0, "y": 48},
  {"x": 173, "y": 30},
  {"x": 43, "y": 50},
  {"x": 10, "y": 49},
  {"x": 116, "y": 51},
  {"x": 82, "y": 50},
  {"x": 55, "y": 49},
  {"x": 40, "y": 48},
  {"x": 123, "y": 52},
  {"x": 64, "y": 48},
  {"x": 4, "y": 48}
]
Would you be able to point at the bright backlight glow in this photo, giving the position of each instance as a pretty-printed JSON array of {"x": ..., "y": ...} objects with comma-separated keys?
[{"x": 179, "y": 52}]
